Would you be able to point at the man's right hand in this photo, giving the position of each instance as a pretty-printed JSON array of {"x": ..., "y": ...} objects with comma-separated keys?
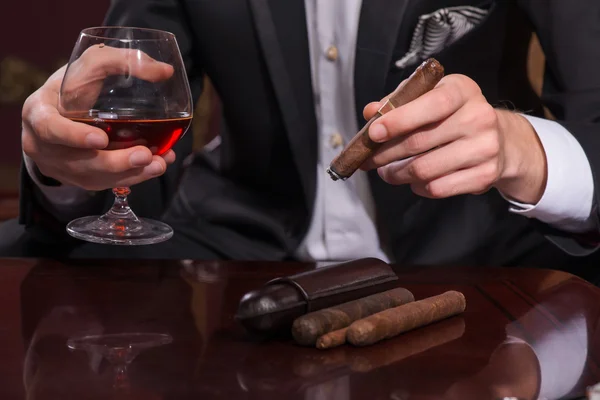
[{"x": 72, "y": 152}]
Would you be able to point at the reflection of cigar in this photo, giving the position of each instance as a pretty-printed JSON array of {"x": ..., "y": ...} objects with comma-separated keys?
[
  {"x": 308, "y": 328},
  {"x": 309, "y": 364},
  {"x": 394, "y": 321},
  {"x": 342, "y": 359},
  {"x": 397, "y": 350},
  {"x": 361, "y": 147}
]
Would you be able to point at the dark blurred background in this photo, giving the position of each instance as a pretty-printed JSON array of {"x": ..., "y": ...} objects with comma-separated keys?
[{"x": 36, "y": 38}]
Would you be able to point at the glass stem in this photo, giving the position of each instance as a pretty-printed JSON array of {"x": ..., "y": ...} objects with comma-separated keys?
[
  {"x": 120, "y": 208},
  {"x": 121, "y": 380}
]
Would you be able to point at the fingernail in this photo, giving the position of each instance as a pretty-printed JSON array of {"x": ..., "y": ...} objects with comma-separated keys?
[
  {"x": 96, "y": 140},
  {"x": 140, "y": 159},
  {"x": 155, "y": 168},
  {"x": 378, "y": 132}
]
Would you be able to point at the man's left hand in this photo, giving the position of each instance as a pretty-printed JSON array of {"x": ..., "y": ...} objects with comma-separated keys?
[{"x": 460, "y": 144}]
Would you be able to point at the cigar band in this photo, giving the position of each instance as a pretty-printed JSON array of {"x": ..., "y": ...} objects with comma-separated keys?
[{"x": 387, "y": 107}]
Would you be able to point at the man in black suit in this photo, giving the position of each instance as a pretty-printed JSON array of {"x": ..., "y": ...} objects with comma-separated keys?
[{"x": 296, "y": 80}]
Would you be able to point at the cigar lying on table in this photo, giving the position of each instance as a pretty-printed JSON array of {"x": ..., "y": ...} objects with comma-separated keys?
[
  {"x": 361, "y": 147},
  {"x": 394, "y": 321},
  {"x": 338, "y": 361},
  {"x": 309, "y": 327}
]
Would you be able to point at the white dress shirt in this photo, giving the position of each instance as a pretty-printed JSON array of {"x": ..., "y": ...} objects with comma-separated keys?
[
  {"x": 343, "y": 220},
  {"x": 343, "y": 224}
]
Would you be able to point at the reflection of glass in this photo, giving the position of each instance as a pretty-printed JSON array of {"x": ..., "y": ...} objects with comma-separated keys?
[
  {"x": 204, "y": 271},
  {"x": 119, "y": 349},
  {"x": 131, "y": 83}
]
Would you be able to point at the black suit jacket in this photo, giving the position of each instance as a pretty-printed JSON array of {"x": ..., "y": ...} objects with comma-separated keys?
[{"x": 253, "y": 198}]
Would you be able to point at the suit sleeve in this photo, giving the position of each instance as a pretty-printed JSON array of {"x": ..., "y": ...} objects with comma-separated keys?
[
  {"x": 569, "y": 33},
  {"x": 150, "y": 198}
]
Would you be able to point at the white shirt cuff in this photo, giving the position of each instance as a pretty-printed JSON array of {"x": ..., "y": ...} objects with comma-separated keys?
[
  {"x": 568, "y": 198},
  {"x": 62, "y": 197}
]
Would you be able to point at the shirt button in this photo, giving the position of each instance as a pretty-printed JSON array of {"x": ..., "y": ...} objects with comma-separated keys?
[
  {"x": 332, "y": 53},
  {"x": 336, "y": 140}
]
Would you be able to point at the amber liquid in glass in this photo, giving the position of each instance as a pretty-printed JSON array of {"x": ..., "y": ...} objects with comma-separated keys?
[{"x": 126, "y": 129}]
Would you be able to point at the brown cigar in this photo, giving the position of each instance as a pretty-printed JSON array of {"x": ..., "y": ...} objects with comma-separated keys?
[
  {"x": 394, "y": 321},
  {"x": 309, "y": 327},
  {"x": 309, "y": 364},
  {"x": 332, "y": 339},
  {"x": 338, "y": 338},
  {"x": 361, "y": 147}
]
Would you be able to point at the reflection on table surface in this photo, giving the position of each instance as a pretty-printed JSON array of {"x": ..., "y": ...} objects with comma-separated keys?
[{"x": 526, "y": 333}]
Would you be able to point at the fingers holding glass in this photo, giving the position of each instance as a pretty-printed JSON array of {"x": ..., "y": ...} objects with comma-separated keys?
[
  {"x": 131, "y": 84},
  {"x": 88, "y": 74}
]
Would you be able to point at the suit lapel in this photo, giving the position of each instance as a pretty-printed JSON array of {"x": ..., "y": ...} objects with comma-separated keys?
[
  {"x": 379, "y": 25},
  {"x": 380, "y": 22},
  {"x": 281, "y": 24},
  {"x": 279, "y": 27}
]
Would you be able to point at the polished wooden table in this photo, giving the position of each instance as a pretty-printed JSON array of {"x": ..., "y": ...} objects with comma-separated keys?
[{"x": 527, "y": 333}]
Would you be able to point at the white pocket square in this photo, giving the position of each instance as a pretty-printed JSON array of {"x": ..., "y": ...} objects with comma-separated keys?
[{"x": 439, "y": 29}]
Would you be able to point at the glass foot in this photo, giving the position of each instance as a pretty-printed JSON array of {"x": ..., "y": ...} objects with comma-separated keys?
[
  {"x": 119, "y": 225},
  {"x": 120, "y": 231},
  {"x": 119, "y": 349}
]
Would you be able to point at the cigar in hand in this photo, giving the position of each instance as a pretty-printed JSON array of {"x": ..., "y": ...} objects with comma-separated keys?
[
  {"x": 361, "y": 147},
  {"x": 308, "y": 328},
  {"x": 394, "y": 321}
]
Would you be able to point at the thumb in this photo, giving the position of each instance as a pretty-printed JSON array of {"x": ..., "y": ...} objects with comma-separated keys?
[{"x": 371, "y": 108}]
